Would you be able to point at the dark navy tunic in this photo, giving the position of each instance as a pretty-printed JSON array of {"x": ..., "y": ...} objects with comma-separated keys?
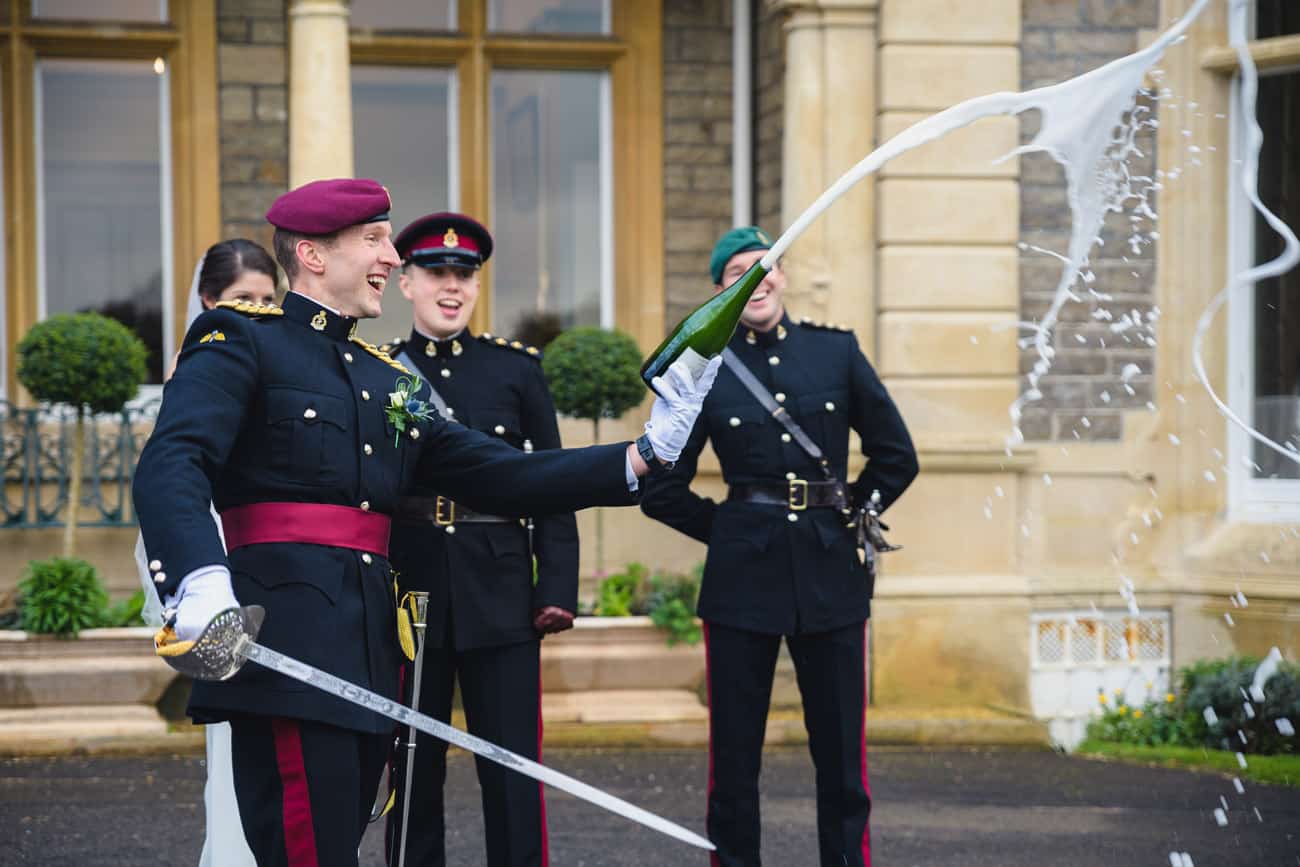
[
  {"x": 288, "y": 406},
  {"x": 764, "y": 572}
]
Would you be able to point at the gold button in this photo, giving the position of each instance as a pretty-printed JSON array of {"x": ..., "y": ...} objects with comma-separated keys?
[
  {"x": 367, "y": 559},
  {"x": 367, "y": 449},
  {"x": 309, "y": 413},
  {"x": 499, "y": 429},
  {"x": 160, "y": 578},
  {"x": 774, "y": 360},
  {"x": 791, "y": 476},
  {"x": 830, "y": 406},
  {"x": 451, "y": 530},
  {"x": 780, "y": 397},
  {"x": 155, "y": 565},
  {"x": 446, "y": 374},
  {"x": 365, "y": 395},
  {"x": 347, "y": 356},
  {"x": 415, "y": 433},
  {"x": 792, "y": 517},
  {"x": 365, "y": 505},
  {"x": 733, "y": 421},
  {"x": 785, "y": 438}
]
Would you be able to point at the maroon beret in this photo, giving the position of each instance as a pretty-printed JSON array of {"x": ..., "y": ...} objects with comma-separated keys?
[{"x": 325, "y": 207}]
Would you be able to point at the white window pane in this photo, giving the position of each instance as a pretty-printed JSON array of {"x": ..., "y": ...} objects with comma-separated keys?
[
  {"x": 550, "y": 197},
  {"x": 1277, "y": 301},
  {"x": 101, "y": 193},
  {"x": 404, "y": 136},
  {"x": 101, "y": 10},
  {"x": 549, "y": 16},
  {"x": 403, "y": 14}
]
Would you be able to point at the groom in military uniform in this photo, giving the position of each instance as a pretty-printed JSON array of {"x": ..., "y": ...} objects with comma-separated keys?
[
  {"x": 486, "y": 614},
  {"x": 781, "y": 561},
  {"x": 305, "y": 438}
]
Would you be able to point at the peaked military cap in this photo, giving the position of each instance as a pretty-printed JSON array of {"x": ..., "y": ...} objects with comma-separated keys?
[
  {"x": 445, "y": 238},
  {"x": 741, "y": 239},
  {"x": 326, "y": 207}
]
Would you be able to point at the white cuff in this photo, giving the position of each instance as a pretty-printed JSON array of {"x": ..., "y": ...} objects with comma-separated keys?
[
  {"x": 633, "y": 483},
  {"x": 214, "y": 569}
]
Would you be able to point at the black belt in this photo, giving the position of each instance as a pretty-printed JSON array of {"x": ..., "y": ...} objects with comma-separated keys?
[
  {"x": 442, "y": 512},
  {"x": 795, "y": 494}
]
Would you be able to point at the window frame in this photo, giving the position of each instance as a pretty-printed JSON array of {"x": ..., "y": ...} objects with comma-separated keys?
[
  {"x": 1250, "y": 499},
  {"x": 187, "y": 44},
  {"x": 632, "y": 56}
]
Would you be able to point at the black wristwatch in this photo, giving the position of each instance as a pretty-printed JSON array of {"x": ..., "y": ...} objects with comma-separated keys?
[{"x": 647, "y": 452}]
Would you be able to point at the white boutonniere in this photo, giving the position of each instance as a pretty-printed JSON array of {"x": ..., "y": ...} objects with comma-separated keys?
[{"x": 404, "y": 408}]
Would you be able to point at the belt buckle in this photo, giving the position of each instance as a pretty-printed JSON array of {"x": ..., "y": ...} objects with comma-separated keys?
[
  {"x": 797, "y": 495},
  {"x": 444, "y": 511}
]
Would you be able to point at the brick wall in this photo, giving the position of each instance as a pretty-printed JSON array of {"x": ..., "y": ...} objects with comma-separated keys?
[
  {"x": 252, "y": 71},
  {"x": 697, "y": 145},
  {"x": 769, "y": 106},
  {"x": 1084, "y": 395}
]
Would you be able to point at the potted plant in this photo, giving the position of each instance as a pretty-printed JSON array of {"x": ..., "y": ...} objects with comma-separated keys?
[
  {"x": 86, "y": 361},
  {"x": 594, "y": 373}
]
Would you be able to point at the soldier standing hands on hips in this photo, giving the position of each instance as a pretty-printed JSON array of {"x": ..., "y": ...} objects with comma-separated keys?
[
  {"x": 305, "y": 438},
  {"x": 781, "y": 561},
  {"x": 485, "y": 614}
]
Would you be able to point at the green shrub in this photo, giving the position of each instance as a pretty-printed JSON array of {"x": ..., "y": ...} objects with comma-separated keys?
[
  {"x": 61, "y": 596},
  {"x": 623, "y": 593},
  {"x": 672, "y": 605},
  {"x": 1221, "y": 684},
  {"x": 594, "y": 373},
  {"x": 1224, "y": 684},
  {"x": 127, "y": 612},
  {"x": 82, "y": 360}
]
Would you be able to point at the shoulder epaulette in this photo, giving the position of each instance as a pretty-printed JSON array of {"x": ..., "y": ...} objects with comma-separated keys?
[
  {"x": 250, "y": 308},
  {"x": 824, "y": 326},
  {"x": 516, "y": 345},
  {"x": 379, "y": 353}
]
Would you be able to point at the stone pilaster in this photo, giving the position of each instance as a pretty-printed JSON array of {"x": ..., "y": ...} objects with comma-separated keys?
[{"x": 830, "y": 124}]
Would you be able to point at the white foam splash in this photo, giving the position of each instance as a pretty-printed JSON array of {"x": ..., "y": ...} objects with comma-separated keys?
[{"x": 1266, "y": 669}]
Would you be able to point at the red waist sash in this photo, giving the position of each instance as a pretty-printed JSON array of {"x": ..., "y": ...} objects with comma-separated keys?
[{"x": 309, "y": 523}]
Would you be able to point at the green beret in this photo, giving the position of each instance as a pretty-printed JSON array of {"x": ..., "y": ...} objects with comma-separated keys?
[{"x": 739, "y": 240}]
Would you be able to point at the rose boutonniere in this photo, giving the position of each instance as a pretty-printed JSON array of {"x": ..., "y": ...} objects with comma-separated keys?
[{"x": 404, "y": 408}]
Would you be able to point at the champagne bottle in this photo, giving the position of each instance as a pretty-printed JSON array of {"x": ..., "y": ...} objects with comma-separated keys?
[{"x": 706, "y": 331}]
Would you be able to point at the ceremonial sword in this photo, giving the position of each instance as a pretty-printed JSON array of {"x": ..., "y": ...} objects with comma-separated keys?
[{"x": 229, "y": 640}]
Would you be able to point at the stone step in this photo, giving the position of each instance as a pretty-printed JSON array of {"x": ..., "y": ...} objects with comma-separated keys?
[
  {"x": 64, "y": 728},
  {"x": 623, "y": 705}
]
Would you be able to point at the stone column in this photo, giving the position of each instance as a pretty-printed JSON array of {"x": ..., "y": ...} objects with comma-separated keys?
[
  {"x": 830, "y": 124},
  {"x": 320, "y": 91}
]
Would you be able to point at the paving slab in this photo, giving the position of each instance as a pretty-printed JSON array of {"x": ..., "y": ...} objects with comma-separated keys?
[{"x": 980, "y": 807}]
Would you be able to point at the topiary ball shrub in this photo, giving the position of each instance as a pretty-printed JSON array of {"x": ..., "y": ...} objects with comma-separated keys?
[
  {"x": 83, "y": 360},
  {"x": 594, "y": 373},
  {"x": 61, "y": 596}
]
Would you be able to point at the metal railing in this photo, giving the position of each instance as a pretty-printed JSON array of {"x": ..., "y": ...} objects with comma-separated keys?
[{"x": 36, "y": 460}]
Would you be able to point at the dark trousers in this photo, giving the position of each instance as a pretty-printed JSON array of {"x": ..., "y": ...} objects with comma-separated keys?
[
  {"x": 501, "y": 691},
  {"x": 304, "y": 789},
  {"x": 832, "y": 681}
]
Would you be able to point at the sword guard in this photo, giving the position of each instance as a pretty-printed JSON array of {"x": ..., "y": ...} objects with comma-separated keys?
[{"x": 215, "y": 654}]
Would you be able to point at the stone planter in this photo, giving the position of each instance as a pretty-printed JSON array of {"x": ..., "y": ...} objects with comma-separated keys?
[
  {"x": 620, "y": 669},
  {"x": 104, "y": 683}
]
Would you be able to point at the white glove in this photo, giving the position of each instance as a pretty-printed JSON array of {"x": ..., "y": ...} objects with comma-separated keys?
[
  {"x": 677, "y": 405},
  {"x": 203, "y": 595}
]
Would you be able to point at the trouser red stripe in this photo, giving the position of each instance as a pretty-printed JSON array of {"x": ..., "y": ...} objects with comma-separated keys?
[
  {"x": 299, "y": 833},
  {"x": 541, "y": 789},
  {"x": 862, "y": 740},
  {"x": 708, "y": 686}
]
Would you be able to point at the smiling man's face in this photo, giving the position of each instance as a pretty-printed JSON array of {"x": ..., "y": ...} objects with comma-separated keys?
[
  {"x": 355, "y": 267},
  {"x": 443, "y": 297},
  {"x": 765, "y": 307}
]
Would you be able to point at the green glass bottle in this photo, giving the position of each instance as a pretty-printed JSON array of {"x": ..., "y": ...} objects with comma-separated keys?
[{"x": 706, "y": 331}]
